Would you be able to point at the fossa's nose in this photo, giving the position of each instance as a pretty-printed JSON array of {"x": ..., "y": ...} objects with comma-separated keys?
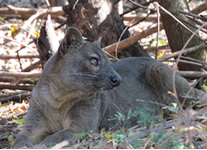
[{"x": 115, "y": 80}]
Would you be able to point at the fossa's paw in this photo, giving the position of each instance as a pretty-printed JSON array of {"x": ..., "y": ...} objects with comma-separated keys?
[
  {"x": 22, "y": 141},
  {"x": 50, "y": 141},
  {"x": 23, "y": 145}
]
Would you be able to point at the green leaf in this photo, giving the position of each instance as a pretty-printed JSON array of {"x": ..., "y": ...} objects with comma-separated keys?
[
  {"x": 31, "y": 80},
  {"x": 204, "y": 81},
  {"x": 162, "y": 42},
  {"x": 10, "y": 138},
  {"x": 120, "y": 116},
  {"x": 122, "y": 131},
  {"x": 81, "y": 135},
  {"x": 19, "y": 121},
  {"x": 174, "y": 105},
  {"x": 129, "y": 115},
  {"x": 2, "y": 18},
  {"x": 204, "y": 87},
  {"x": 136, "y": 113},
  {"x": 108, "y": 136}
]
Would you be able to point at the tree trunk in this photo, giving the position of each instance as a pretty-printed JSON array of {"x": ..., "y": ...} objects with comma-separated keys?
[
  {"x": 177, "y": 35},
  {"x": 100, "y": 19}
]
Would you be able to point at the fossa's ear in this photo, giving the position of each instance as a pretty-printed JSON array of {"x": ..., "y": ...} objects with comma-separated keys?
[
  {"x": 98, "y": 42},
  {"x": 72, "y": 37}
]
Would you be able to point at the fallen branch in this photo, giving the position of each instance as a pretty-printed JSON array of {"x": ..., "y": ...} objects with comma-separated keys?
[
  {"x": 53, "y": 11},
  {"x": 12, "y": 80},
  {"x": 7, "y": 79},
  {"x": 187, "y": 50},
  {"x": 193, "y": 74},
  {"x": 131, "y": 40},
  {"x": 139, "y": 18},
  {"x": 193, "y": 60},
  {"x": 21, "y": 75},
  {"x": 16, "y": 87},
  {"x": 15, "y": 97},
  {"x": 20, "y": 56},
  {"x": 190, "y": 62}
]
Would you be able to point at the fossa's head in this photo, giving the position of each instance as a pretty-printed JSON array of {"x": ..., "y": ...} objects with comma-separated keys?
[{"x": 83, "y": 64}]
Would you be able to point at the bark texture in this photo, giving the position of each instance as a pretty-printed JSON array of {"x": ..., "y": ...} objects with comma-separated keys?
[
  {"x": 100, "y": 19},
  {"x": 177, "y": 35}
]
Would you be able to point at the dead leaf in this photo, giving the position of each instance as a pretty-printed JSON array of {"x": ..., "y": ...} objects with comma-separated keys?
[{"x": 111, "y": 145}]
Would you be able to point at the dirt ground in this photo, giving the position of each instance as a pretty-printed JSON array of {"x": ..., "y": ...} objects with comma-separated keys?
[
  {"x": 10, "y": 114},
  {"x": 7, "y": 128}
]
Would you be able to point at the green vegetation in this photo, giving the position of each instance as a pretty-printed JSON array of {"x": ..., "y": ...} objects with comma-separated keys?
[
  {"x": 149, "y": 132},
  {"x": 19, "y": 121},
  {"x": 204, "y": 85}
]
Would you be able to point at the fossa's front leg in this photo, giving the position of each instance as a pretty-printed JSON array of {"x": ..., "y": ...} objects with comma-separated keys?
[
  {"x": 34, "y": 130},
  {"x": 81, "y": 118}
]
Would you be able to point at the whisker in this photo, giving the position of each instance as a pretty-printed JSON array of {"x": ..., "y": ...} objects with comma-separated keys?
[{"x": 84, "y": 75}]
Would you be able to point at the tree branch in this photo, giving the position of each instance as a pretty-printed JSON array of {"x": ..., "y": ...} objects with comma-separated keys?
[
  {"x": 199, "y": 9},
  {"x": 131, "y": 40},
  {"x": 53, "y": 11},
  {"x": 152, "y": 49},
  {"x": 187, "y": 50}
]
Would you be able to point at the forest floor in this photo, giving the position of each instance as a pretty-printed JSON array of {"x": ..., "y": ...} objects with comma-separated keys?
[{"x": 10, "y": 122}]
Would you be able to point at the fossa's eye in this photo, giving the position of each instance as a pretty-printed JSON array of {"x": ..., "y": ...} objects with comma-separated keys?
[{"x": 94, "y": 61}]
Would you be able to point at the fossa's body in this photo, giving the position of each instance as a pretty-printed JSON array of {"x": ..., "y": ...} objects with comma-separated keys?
[{"x": 79, "y": 90}]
